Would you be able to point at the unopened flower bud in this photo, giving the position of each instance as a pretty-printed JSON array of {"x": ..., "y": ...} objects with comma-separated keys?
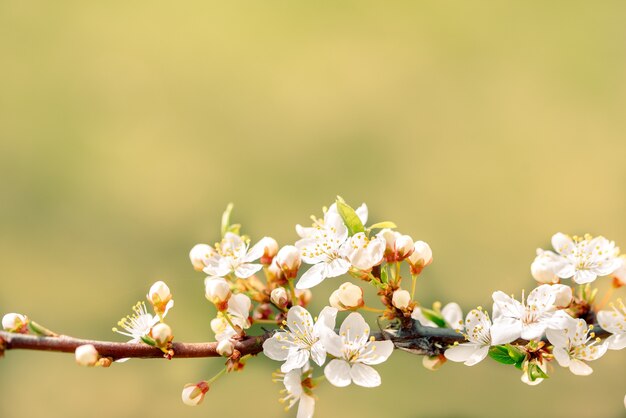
[
  {"x": 162, "y": 334},
  {"x": 390, "y": 239},
  {"x": 225, "y": 348},
  {"x": 404, "y": 247},
  {"x": 288, "y": 259},
  {"x": 86, "y": 355},
  {"x": 279, "y": 297},
  {"x": 218, "y": 292},
  {"x": 348, "y": 296},
  {"x": 433, "y": 363},
  {"x": 270, "y": 249},
  {"x": 275, "y": 274},
  {"x": 304, "y": 296},
  {"x": 14, "y": 322},
  {"x": 619, "y": 275},
  {"x": 543, "y": 267},
  {"x": 193, "y": 394},
  {"x": 198, "y": 254},
  {"x": 401, "y": 299},
  {"x": 562, "y": 295},
  {"x": 159, "y": 295},
  {"x": 421, "y": 257}
]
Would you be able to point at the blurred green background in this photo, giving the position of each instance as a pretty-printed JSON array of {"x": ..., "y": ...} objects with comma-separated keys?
[{"x": 126, "y": 126}]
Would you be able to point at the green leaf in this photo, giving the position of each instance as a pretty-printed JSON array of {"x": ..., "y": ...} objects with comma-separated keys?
[
  {"x": 148, "y": 340},
  {"x": 500, "y": 354},
  {"x": 383, "y": 225},
  {"x": 434, "y": 316},
  {"x": 384, "y": 276},
  {"x": 226, "y": 219},
  {"x": 515, "y": 353},
  {"x": 350, "y": 218},
  {"x": 535, "y": 372}
]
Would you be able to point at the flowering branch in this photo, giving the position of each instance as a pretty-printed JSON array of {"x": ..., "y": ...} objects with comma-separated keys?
[
  {"x": 419, "y": 340},
  {"x": 116, "y": 350},
  {"x": 264, "y": 284}
]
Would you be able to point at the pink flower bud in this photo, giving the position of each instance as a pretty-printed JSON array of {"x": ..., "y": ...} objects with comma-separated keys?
[
  {"x": 279, "y": 297},
  {"x": 421, "y": 257},
  {"x": 193, "y": 394},
  {"x": 288, "y": 259},
  {"x": 270, "y": 249},
  {"x": 218, "y": 292},
  {"x": 404, "y": 247}
]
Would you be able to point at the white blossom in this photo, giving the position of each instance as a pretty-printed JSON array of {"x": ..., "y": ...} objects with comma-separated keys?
[
  {"x": 138, "y": 324},
  {"x": 239, "y": 314},
  {"x": 614, "y": 321},
  {"x": 526, "y": 319},
  {"x": 162, "y": 334},
  {"x": 584, "y": 259},
  {"x": 296, "y": 391},
  {"x": 355, "y": 352},
  {"x": 362, "y": 252},
  {"x": 279, "y": 297},
  {"x": 321, "y": 249},
  {"x": 302, "y": 340},
  {"x": 270, "y": 249},
  {"x": 225, "y": 348},
  {"x": 572, "y": 346},
  {"x": 233, "y": 256},
  {"x": 478, "y": 335}
]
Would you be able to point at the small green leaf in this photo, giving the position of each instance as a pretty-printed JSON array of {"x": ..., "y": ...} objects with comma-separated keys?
[
  {"x": 384, "y": 276},
  {"x": 383, "y": 225},
  {"x": 39, "y": 329},
  {"x": 226, "y": 219},
  {"x": 500, "y": 354},
  {"x": 148, "y": 340},
  {"x": 535, "y": 372},
  {"x": 434, "y": 316},
  {"x": 350, "y": 218},
  {"x": 234, "y": 228},
  {"x": 515, "y": 353}
]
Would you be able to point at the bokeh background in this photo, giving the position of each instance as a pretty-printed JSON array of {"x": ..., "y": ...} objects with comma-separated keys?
[{"x": 126, "y": 128}]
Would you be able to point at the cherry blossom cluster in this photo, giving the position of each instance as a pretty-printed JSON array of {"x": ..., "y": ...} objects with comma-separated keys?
[{"x": 264, "y": 283}]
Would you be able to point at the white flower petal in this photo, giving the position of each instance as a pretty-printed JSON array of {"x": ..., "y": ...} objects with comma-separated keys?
[
  {"x": 364, "y": 375},
  {"x": 338, "y": 373},
  {"x": 505, "y": 330},
  {"x": 325, "y": 321},
  {"x": 354, "y": 328},
  {"x": 318, "y": 353},
  {"x": 312, "y": 277},
  {"x": 243, "y": 271},
  {"x": 580, "y": 368},
  {"x": 306, "y": 407},
  {"x": 381, "y": 350},
  {"x": 296, "y": 358},
  {"x": 562, "y": 244},
  {"x": 276, "y": 347},
  {"x": 453, "y": 315},
  {"x": 462, "y": 352},
  {"x": 333, "y": 344}
]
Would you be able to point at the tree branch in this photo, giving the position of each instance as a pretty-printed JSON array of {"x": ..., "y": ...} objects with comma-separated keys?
[{"x": 418, "y": 340}]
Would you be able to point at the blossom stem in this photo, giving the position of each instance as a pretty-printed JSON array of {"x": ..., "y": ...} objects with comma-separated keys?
[
  {"x": 217, "y": 376},
  {"x": 230, "y": 322},
  {"x": 292, "y": 291},
  {"x": 367, "y": 308},
  {"x": 413, "y": 285},
  {"x": 318, "y": 380},
  {"x": 396, "y": 276}
]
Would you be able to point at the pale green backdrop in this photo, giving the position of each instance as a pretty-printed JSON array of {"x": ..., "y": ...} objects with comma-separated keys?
[{"x": 126, "y": 127}]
